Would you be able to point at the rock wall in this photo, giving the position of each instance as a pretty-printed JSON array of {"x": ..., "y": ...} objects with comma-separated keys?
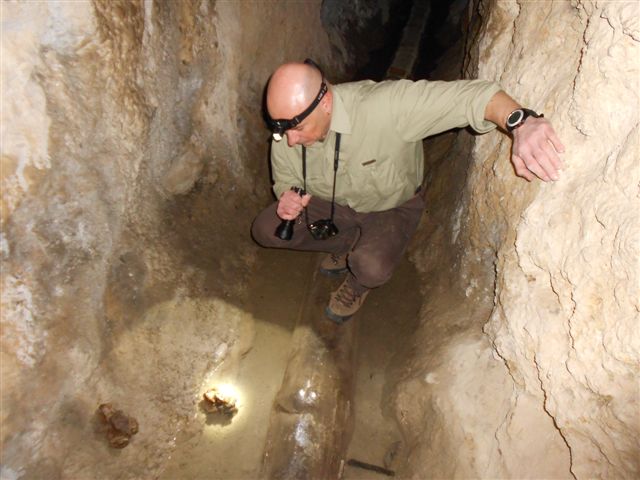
[
  {"x": 527, "y": 360},
  {"x": 132, "y": 139}
]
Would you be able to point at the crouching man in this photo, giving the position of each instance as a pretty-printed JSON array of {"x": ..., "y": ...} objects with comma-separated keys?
[{"x": 354, "y": 153}]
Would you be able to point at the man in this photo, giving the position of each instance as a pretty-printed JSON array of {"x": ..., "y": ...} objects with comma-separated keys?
[{"x": 356, "y": 150}]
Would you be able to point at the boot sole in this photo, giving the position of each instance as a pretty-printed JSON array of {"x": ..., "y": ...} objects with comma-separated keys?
[{"x": 336, "y": 318}]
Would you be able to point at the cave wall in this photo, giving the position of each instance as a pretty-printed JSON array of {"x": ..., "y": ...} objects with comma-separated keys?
[
  {"x": 134, "y": 157},
  {"x": 527, "y": 360}
]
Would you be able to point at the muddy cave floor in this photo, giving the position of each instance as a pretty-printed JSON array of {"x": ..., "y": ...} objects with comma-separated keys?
[{"x": 383, "y": 330}]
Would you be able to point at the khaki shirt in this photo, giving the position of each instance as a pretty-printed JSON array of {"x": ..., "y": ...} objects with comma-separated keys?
[{"x": 382, "y": 126}]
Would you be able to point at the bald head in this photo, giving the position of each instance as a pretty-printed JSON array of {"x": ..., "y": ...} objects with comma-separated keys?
[{"x": 292, "y": 88}]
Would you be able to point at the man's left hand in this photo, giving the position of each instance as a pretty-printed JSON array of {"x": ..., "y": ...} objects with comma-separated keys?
[{"x": 535, "y": 150}]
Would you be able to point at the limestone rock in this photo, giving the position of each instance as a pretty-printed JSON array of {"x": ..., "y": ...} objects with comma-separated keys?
[
  {"x": 182, "y": 175},
  {"x": 562, "y": 307}
]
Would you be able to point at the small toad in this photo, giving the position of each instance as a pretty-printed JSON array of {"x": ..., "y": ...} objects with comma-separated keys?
[
  {"x": 120, "y": 427},
  {"x": 217, "y": 402}
]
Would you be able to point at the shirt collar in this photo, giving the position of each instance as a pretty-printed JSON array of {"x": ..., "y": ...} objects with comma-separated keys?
[{"x": 340, "y": 121}]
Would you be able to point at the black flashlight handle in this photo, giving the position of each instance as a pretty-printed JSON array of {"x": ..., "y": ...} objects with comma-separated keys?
[{"x": 285, "y": 229}]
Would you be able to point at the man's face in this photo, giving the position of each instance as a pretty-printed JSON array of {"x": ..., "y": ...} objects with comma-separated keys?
[{"x": 312, "y": 129}]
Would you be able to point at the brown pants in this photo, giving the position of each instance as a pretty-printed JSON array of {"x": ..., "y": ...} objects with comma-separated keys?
[{"x": 381, "y": 238}]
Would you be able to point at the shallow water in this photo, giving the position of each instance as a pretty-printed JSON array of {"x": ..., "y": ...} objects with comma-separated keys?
[
  {"x": 213, "y": 446},
  {"x": 386, "y": 323}
]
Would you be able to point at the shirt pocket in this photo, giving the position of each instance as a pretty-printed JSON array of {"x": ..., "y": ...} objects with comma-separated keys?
[{"x": 380, "y": 176}]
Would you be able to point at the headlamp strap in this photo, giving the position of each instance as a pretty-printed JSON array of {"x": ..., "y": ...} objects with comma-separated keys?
[{"x": 336, "y": 161}]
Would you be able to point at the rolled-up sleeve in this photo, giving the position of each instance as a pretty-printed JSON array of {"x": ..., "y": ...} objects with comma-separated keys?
[{"x": 423, "y": 108}]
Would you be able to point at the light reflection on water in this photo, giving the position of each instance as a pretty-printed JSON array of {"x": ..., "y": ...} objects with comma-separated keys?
[{"x": 223, "y": 446}]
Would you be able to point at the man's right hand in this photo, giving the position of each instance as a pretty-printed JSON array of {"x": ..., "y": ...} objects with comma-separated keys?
[{"x": 291, "y": 205}]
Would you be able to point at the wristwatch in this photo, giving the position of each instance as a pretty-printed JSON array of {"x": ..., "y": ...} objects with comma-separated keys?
[{"x": 517, "y": 118}]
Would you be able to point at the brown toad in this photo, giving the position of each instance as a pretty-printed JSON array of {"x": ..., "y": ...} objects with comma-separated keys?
[{"x": 120, "y": 427}]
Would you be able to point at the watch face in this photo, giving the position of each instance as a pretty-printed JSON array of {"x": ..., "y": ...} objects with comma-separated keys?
[{"x": 515, "y": 118}]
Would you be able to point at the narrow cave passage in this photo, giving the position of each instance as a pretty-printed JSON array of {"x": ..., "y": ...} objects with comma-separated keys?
[
  {"x": 284, "y": 291},
  {"x": 144, "y": 334}
]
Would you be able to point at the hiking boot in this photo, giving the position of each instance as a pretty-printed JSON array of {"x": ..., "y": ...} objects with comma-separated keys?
[
  {"x": 346, "y": 301},
  {"x": 333, "y": 265}
]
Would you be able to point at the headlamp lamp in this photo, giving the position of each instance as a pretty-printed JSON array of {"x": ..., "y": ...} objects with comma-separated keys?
[{"x": 278, "y": 127}]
